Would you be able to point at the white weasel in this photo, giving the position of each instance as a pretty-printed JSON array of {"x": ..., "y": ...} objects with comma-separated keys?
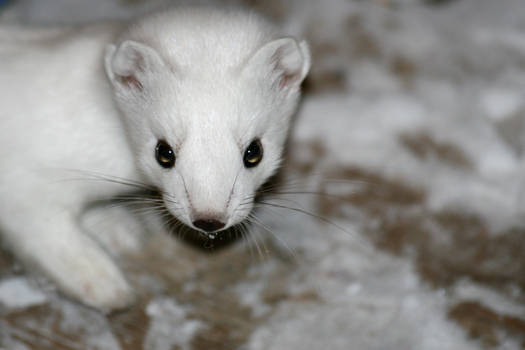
[{"x": 196, "y": 102}]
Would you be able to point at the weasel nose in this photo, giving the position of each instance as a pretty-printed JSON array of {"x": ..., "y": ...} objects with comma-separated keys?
[{"x": 208, "y": 225}]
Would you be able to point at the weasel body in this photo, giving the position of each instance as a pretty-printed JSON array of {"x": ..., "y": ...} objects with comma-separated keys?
[{"x": 194, "y": 102}]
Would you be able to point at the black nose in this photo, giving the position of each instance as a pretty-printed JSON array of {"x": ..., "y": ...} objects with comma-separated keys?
[{"x": 208, "y": 225}]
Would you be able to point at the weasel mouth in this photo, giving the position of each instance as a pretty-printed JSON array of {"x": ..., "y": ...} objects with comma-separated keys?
[{"x": 210, "y": 236}]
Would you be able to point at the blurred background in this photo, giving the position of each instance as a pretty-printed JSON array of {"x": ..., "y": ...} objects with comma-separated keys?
[{"x": 408, "y": 153}]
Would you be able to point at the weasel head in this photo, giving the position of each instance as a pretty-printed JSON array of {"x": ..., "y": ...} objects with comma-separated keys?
[{"x": 208, "y": 133}]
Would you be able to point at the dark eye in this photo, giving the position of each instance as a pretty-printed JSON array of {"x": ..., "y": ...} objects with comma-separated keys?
[
  {"x": 164, "y": 154},
  {"x": 253, "y": 154}
]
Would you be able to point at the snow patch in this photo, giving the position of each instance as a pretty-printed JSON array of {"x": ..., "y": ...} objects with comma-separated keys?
[
  {"x": 169, "y": 325},
  {"x": 19, "y": 293}
]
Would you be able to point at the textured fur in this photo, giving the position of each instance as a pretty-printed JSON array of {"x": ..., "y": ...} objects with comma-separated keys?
[{"x": 99, "y": 98}]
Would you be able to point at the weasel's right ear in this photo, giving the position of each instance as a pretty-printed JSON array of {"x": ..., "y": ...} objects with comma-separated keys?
[
  {"x": 285, "y": 60},
  {"x": 130, "y": 64}
]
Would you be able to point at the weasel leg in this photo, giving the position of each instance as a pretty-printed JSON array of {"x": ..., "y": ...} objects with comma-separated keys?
[{"x": 53, "y": 242}]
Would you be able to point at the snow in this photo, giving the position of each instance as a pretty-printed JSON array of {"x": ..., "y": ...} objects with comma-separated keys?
[
  {"x": 169, "y": 327},
  {"x": 501, "y": 103},
  {"x": 17, "y": 293},
  {"x": 429, "y": 97},
  {"x": 370, "y": 301},
  {"x": 467, "y": 290}
]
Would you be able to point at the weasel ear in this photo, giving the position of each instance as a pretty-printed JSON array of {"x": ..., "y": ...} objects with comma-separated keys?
[
  {"x": 287, "y": 60},
  {"x": 129, "y": 64}
]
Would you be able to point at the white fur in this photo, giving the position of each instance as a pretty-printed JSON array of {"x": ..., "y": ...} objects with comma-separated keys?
[{"x": 209, "y": 82}]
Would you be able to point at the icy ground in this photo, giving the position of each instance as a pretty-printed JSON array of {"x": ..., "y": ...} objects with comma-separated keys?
[{"x": 412, "y": 133}]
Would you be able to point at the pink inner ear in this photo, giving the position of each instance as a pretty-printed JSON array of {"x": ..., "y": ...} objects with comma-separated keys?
[
  {"x": 131, "y": 82},
  {"x": 286, "y": 77},
  {"x": 285, "y": 80}
]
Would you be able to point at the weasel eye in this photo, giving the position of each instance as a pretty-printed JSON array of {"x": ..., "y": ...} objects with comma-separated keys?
[
  {"x": 253, "y": 154},
  {"x": 164, "y": 154}
]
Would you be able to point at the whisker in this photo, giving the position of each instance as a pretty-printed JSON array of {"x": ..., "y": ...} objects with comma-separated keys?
[
  {"x": 302, "y": 182},
  {"x": 140, "y": 200},
  {"x": 96, "y": 176},
  {"x": 305, "y": 212},
  {"x": 255, "y": 242},
  {"x": 265, "y": 251},
  {"x": 314, "y": 193},
  {"x": 244, "y": 234},
  {"x": 176, "y": 226},
  {"x": 143, "y": 209},
  {"x": 253, "y": 218}
]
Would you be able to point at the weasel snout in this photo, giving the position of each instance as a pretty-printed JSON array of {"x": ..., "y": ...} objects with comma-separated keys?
[{"x": 208, "y": 224}]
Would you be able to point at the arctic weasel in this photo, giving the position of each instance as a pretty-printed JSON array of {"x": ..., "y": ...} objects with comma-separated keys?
[{"x": 194, "y": 102}]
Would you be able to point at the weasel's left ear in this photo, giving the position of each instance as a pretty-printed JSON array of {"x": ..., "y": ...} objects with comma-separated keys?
[
  {"x": 288, "y": 60},
  {"x": 130, "y": 64}
]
